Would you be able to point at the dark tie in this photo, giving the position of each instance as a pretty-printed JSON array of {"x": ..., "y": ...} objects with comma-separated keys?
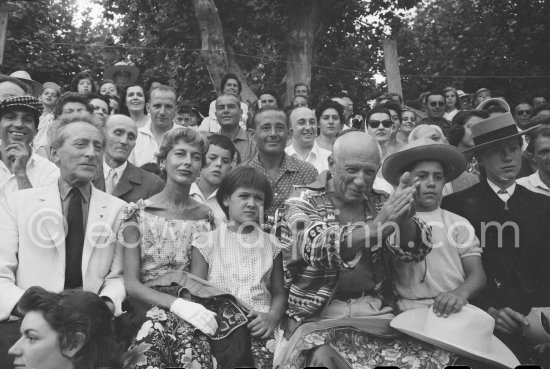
[
  {"x": 74, "y": 241},
  {"x": 502, "y": 192}
]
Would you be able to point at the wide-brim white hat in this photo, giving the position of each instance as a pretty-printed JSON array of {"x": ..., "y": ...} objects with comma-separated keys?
[
  {"x": 25, "y": 77},
  {"x": 424, "y": 149},
  {"x": 468, "y": 333}
]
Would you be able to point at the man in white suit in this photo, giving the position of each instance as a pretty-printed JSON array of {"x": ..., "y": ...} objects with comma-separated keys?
[{"x": 61, "y": 236}]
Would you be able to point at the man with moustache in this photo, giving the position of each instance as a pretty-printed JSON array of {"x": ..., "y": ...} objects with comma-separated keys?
[
  {"x": 61, "y": 236},
  {"x": 283, "y": 171},
  {"x": 303, "y": 129},
  {"x": 121, "y": 178},
  {"x": 512, "y": 225},
  {"x": 162, "y": 108},
  {"x": 20, "y": 167}
]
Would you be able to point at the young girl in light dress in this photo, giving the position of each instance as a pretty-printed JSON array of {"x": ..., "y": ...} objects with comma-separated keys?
[{"x": 241, "y": 259}]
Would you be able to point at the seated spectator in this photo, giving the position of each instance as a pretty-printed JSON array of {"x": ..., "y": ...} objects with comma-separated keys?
[
  {"x": 430, "y": 131},
  {"x": 303, "y": 128},
  {"x": 268, "y": 97},
  {"x": 119, "y": 177},
  {"x": 480, "y": 95},
  {"x": 300, "y": 100},
  {"x": 460, "y": 135},
  {"x": 49, "y": 97},
  {"x": 32, "y": 87},
  {"x": 539, "y": 148},
  {"x": 379, "y": 125},
  {"x": 465, "y": 100},
  {"x": 66, "y": 330},
  {"x": 187, "y": 115},
  {"x": 11, "y": 87},
  {"x": 451, "y": 273},
  {"x": 230, "y": 85},
  {"x": 435, "y": 107},
  {"x": 83, "y": 83},
  {"x": 271, "y": 131},
  {"x": 408, "y": 123},
  {"x": 452, "y": 103},
  {"x": 219, "y": 161},
  {"x": 541, "y": 110},
  {"x": 20, "y": 167},
  {"x": 162, "y": 107},
  {"x": 330, "y": 117},
  {"x": 514, "y": 257},
  {"x": 101, "y": 107},
  {"x": 61, "y": 236},
  {"x": 522, "y": 114},
  {"x": 133, "y": 104},
  {"x": 107, "y": 87},
  {"x": 538, "y": 100}
]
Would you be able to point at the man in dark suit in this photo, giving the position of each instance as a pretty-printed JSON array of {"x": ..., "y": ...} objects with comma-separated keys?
[
  {"x": 513, "y": 225},
  {"x": 120, "y": 178}
]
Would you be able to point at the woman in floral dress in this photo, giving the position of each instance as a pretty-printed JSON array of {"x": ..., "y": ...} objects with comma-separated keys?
[{"x": 157, "y": 237}]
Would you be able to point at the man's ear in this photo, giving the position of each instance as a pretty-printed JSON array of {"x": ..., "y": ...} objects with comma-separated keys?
[
  {"x": 54, "y": 154},
  {"x": 79, "y": 340}
]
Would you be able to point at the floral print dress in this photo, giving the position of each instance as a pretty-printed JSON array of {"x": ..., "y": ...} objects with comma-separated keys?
[{"x": 165, "y": 340}]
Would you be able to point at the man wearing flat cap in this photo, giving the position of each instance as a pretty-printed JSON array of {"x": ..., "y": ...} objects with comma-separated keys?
[
  {"x": 20, "y": 168},
  {"x": 513, "y": 225}
]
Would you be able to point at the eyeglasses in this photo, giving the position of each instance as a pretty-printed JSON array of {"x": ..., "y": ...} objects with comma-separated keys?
[
  {"x": 376, "y": 123},
  {"x": 433, "y": 104},
  {"x": 523, "y": 112}
]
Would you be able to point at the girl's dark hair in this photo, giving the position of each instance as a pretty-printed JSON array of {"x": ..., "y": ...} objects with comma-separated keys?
[
  {"x": 104, "y": 98},
  {"x": 330, "y": 104},
  {"x": 82, "y": 75},
  {"x": 123, "y": 108},
  {"x": 393, "y": 105},
  {"x": 225, "y": 143},
  {"x": 456, "y": 131},
  {"x": 105, "y": 81},
  {"x": 248, "y": 177},
  {"x": 71, "y": 97},
  {"x": 71, "y": 312},
  {"x": 229, "y": 76}
]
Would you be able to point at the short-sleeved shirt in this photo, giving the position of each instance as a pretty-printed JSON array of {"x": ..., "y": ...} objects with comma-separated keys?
[
  {"x": 40, "y": 171},
  {"x": 240, "y": 264},
  {"x": 293, "y": 172},
  {"x": 534, "y": 183},
  {"x": 317, "y": 157},
  {"x": 244, "y": 144},
  {"x": 453, "y": 238},
  {"x": 196, "y": 193}
]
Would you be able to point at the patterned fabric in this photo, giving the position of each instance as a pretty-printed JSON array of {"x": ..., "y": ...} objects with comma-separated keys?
[
  {"x": 312, "y": 235},
  {"x": 473, "y": 166},
  {"x": 165, "y": 340},
  {"x": 165, "y": 243},
  {"x": 240, "y": 264},
  {"x": 363, "y": 351},
  {"x": 293, "y": 172}
]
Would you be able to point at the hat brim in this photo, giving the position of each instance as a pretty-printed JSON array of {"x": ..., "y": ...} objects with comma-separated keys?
[
  {"x": 37, "y": 87},
  {"x": 454, "y": 161},
  {"x": 112, "y": 70},
  {"x": 494, "y": 142},
  {"x": 411, "y": 321}
]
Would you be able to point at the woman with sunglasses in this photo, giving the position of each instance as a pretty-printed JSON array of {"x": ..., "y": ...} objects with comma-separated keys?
[
  {"x": 452, "y": 103},
  {"x": 380, "y": 126}
]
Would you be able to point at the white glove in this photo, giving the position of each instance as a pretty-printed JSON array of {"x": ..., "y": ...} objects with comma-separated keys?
[{"x": 196, "y": 315}]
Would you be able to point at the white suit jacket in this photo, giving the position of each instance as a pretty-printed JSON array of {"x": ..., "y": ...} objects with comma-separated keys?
[{"x": 32, "y": 246}]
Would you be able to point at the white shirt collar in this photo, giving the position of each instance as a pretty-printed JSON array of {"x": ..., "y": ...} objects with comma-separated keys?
[
  {"x": 510, "y": 189},
  {"x": 312, "y": 154},
  {"x": 537, "y": 182},
  {"x": 195, "y": 190},
  {"x": 119, "y": 170}
]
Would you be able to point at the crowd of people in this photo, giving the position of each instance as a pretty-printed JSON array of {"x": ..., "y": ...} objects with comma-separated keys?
[{"x": 138, "y": 233}]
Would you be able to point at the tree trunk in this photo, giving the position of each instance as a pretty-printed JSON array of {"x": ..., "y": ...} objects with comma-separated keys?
[
  {"x": 214, "y": 52},
  {"x": 306, "y": 23},
  {"x": 3, "y": 28}
]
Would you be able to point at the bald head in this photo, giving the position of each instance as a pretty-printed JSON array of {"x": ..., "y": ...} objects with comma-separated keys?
[
  {"x": 121, "y": 134},
  {"x": 357, "y": 144}
]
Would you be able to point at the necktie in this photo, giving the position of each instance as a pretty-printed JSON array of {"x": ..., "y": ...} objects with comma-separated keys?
[
  {"x": 110, "y": 182},
  {"x": 502, "y": 192},
  {"x": 74, "y": 241}
]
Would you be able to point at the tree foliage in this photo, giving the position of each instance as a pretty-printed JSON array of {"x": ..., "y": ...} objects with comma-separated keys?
[{"x": 478, "y": 38}]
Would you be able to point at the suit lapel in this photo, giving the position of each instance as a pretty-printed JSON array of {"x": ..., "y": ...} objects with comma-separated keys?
[
  {"x": 97, "y": 228},
  {"x": 52, "y": 217},
  {"x": 125, "y": 184}
]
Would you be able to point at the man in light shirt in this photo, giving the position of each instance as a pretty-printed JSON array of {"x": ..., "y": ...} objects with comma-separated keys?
[
  {"x": 303, "y": 128},
  {"x": 20, "y": 167},
  {"x": 219, "y": 160},
  {"x": 539, "y": 147},
  {"x": 162, "y": 108}
]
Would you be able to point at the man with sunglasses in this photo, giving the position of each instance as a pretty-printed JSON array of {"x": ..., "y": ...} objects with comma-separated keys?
[
  {"x": 522, "y": 114},
  {"x": 435, "y": 107}
]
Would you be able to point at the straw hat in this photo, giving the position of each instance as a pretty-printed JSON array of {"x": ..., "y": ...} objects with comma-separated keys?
[
  {"x": 538, "y": 330},
  {"x": 493, "y": 101},
  {"x": 468, "y": 333},
  {"x": 493, "y": 130},
  {"x": 122, "y": 67},
  {"x": 424, "y": 149},
  {"x": 25, "y": 77}
]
